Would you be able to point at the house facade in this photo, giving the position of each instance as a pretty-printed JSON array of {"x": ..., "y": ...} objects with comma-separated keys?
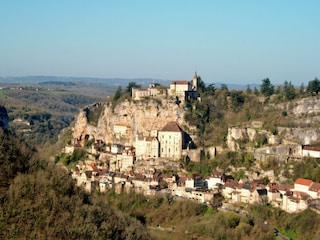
[
  {"x": 147, "y": 147},
  {"x": 311, "y": 151},
  {"x": 183, "y": 89},
  {"x": 171, "y": 138}
]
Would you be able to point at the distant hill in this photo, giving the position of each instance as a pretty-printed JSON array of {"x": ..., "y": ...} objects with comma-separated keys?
[{"x": 108, "y": 81}]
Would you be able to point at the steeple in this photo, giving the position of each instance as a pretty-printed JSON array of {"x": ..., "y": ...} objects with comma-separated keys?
[{"x": 195, "y": 82}]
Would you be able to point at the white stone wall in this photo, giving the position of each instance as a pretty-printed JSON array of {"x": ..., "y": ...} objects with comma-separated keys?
[
  {"x": 179, "y": 89},
  {"x": 170, "y": 144}
]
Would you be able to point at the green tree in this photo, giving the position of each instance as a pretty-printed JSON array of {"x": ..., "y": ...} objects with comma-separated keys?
[
  {"x": 201, "y": 85},
  {"x": 249, "y": 91},
  {"x": 302, "y": 88},
  {"x": 132, "y": 85},
  {"x": 267, "y": 89},
  {"x": 224, "y": 87},
  {"x": 289, "y": 90},
  {"x": 237, "y": 100},
  {"x": 314, "y": 86},
  {"x": 117, "y": 94},
  {"x": 210, "y": 90}
]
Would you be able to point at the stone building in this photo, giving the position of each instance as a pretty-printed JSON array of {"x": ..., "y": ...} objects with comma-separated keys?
[
  {"x": 147, "y": 147},
  {"x": 182, "y": 89},
  {"x": 172, "y": 141}
]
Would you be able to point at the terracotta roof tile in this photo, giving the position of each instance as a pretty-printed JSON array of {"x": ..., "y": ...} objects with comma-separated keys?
[
  {"x": 180, "y": 82},
  {"x": 302, "y": 181},
  {"x": 311, "y": 148},
  {"x": 315, "y": 187},
  {"x": 171, "y": 127}
]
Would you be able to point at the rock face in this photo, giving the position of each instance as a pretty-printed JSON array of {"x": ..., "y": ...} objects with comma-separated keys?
[
  {"x": 237, "y": 134},
  {"x": 302, "y": 136},
  {"x": 139, "y": 118},
  {"x": 4, "y": 119},
  {"x": 307, "y": 106}
]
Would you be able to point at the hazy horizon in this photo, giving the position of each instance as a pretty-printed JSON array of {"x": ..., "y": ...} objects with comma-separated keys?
[{"x": 232, "y": 42}]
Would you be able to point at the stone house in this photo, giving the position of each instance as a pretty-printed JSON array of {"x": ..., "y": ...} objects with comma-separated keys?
[
  {"x": 246, "y": 191},
  {"x": 183, "y": 89},
  {"x": 151, "y": 91},
  {"x": 172, "y": 141},
  {"x": 295, "y": 201},
  {"x": 170, "y": 179},
  {"x": 212, "y": 182},
  {"x": 147, "y": 147},
  {"x": 311, "y": 151},
  {"x": 302, "y": 185},
  {"x": 229, "y": 188},
  {"x": 236, "y": 196},
  {"x": 89, "y": 180},
  {"x": 179, "y": 87},
  {"x": 104, "y": 184},
  {"x": 273, "y": 194},
  {"x": 314, "y": 190}
]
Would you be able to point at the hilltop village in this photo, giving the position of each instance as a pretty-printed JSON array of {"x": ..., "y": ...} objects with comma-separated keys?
[{"x": 150, "y": 157}]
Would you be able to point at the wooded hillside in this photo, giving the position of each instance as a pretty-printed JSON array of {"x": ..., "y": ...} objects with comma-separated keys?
[{"x": 40, "y": 201}]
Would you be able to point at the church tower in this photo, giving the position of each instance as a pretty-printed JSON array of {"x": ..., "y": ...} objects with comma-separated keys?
[{"x": 195, "y": 82}]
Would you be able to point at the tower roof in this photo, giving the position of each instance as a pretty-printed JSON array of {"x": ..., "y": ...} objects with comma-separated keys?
[{"x": 195, "y": 76}]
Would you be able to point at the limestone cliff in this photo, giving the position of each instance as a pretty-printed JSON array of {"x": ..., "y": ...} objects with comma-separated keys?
[
  {"x": 304, "y": 112},
  {"x": 138, "y": 117}
]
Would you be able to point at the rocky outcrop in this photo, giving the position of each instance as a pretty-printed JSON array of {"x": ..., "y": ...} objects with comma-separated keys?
[
  {"x": 302, "y": 136},
  {"x": 236, "y": 135},
  {"x": 140, "y": 118},
  {"x": 305, "y": 106}
]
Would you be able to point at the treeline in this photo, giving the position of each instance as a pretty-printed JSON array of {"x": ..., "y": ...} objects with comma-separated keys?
[
  {"x": 221, "y": 107},
  {"x": 38, "y": 200},
  {"x": 59, "y": 83}
]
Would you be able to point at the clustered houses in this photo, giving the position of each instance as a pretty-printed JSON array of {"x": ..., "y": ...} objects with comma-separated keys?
[
  {"x": 287, "y": 197},
  {"x": 182, "y": 89}
]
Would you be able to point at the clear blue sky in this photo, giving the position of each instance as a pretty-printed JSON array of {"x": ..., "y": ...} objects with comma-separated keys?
[{"x": 224, "y": 41}]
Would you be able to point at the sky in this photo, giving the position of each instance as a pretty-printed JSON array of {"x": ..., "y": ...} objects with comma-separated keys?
[{"x": 224, "y": 41}]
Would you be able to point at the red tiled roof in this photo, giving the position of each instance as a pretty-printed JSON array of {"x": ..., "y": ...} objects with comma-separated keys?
[
  {"x": 311, "y": 148},
  {"x": 172, "y": 127},
  {"x": 180, "y": 82},
  {"x": 315, "y": 187},
  {"x": 149, "y": 139},
  {"x": 302, "y": 181},
  {"x": 284, "y": 187},
  {"x": 216, "y": 174}
]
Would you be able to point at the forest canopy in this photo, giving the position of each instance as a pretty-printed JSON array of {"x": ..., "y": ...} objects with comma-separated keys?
[{"x": 39, "y": 200}]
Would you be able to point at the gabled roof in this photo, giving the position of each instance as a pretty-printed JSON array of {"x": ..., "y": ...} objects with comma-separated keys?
[
  {"x": 311, "y": 148},
  {"x": 315, "y": 187},
  {"x": 150, "y": 139},
  {"x": 216, "y": 174},
  {"x": 171, "y": 127},
  {"x": 180, "y": 82},
  {"x": 302, "y": 181}
]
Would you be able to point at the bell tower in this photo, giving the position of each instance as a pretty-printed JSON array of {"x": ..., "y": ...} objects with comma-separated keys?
[{"x": 195, "y": 82}]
